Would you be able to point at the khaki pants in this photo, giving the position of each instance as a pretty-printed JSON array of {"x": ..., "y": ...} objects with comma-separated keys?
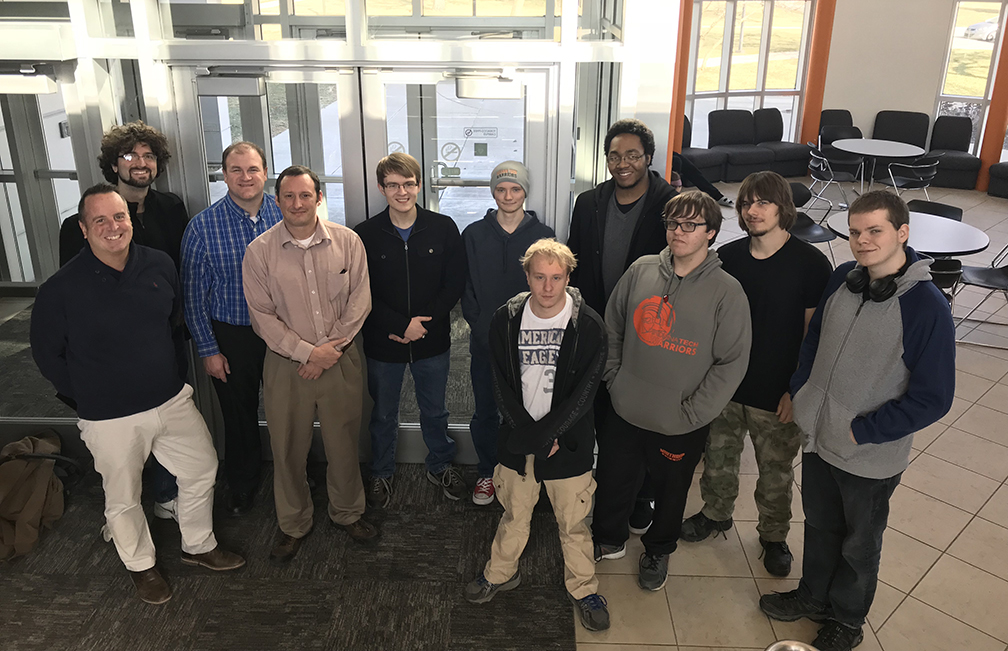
[
  {"x": 571, "y": 499},
  {"x": 291, "y": 405},
  {"x": 177, "y": 436}
]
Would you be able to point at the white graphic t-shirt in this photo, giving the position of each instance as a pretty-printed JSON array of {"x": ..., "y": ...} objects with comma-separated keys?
[{"x": 538, "y": 348}]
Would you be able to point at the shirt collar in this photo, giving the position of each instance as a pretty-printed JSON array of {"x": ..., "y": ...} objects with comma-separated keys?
[
  {"x": 321, "y": 234},
  {"x": 237, "y": 211}
]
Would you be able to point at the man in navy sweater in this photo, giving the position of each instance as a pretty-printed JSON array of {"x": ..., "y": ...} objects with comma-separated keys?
[
  {"x": 877, "y": 365},
  {"x": 107, "y": 331}
]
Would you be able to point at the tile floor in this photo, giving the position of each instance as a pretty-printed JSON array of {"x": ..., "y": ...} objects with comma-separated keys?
[{"x": 944, "y": 574}]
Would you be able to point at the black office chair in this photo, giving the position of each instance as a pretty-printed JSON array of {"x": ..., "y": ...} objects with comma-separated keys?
[
  {"x": 993, "y": 278},
  {"x": 822, "y": 171},
  {"x": 934, "y": 208},
  {"x": 805, "y": 228},
  {"x": 916, "y": 175},
  {"x": 945, "y": 274}
]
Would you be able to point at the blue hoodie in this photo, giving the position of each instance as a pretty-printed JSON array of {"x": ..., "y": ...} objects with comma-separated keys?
[{"x": 880, "y": 370}]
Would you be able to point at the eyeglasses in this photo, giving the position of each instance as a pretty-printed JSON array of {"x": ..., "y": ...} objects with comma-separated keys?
[
  {"x": 130, "y": 156},
  {"x": 395, "y": 187},
  {"x": 687, "y": 227},
  {"x": 631, "y": 157}
]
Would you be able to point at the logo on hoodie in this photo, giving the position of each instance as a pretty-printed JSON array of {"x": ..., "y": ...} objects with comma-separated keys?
[{"x": 654, "y": 321}]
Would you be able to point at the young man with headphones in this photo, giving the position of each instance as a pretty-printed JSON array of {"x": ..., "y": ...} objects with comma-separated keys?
[{"x": 877, "y": 365}]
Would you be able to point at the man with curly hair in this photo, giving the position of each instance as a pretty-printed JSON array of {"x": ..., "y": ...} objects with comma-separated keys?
[{"x": 132, "y": 156}]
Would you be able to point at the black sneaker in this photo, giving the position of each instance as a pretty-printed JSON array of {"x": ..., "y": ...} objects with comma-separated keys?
[
  {"x": 776, "y": 557},
  {"x": 640, "y": 519},
  {"x": 609, "y": 552},
  {"x": 700, "y": 527},
  {"x": 652, "y": 571},
  {"x": 451, "y": 483},
  {"x": 593, "y": 611},
  {"x": 834, "y": 636},
  {"x": 480, "y": 591},
  {"x": 380, "y": 492},
  {"x": 791, "y": 606}
]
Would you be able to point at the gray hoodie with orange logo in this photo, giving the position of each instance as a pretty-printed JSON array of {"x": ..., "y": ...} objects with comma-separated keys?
[{"x": 678, "y": 347}]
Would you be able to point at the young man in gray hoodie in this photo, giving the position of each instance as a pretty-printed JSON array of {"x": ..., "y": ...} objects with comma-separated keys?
[
  {"x": 494, "y": 248},
  {"x": 679, "y": 339},
  {"x": 877, "y": 365}
]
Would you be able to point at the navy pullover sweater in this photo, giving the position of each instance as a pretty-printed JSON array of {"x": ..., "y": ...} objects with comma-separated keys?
[{"x": 111, "y": 341}]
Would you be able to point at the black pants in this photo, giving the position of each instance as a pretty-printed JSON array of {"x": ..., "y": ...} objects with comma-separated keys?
[
  {"x": 690, "y": 173},
  {"x": 845, "y": 516},
  {"x": 239, "y": 401},
  {"x": 603, "y": 408},
  {"x": 625, "y": 452}
]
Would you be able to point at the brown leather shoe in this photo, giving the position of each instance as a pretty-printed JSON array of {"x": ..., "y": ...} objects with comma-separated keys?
[
  {"x": 285, "y": 550},
  {"x": 151, "y": 586},
  {"x": 217, "y": 559},
  {"x": 362, "y": 531}
]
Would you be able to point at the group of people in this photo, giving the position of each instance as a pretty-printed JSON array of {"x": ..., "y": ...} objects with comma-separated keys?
[{"x": 635, "y": 335}]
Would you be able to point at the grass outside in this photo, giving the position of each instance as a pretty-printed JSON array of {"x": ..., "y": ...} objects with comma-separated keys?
[
  {"x": 970, "y": 61},
  {"x": 430, "y": 7}
]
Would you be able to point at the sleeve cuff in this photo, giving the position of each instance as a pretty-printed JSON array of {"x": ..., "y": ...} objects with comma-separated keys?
[{"x": 302, "y": 351}]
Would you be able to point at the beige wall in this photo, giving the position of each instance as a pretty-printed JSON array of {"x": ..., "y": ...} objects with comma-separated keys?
[{"x": 887, "y": 54}]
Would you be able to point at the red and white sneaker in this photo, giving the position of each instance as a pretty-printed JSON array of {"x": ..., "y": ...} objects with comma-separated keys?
[{"x": 483, "y": 493}]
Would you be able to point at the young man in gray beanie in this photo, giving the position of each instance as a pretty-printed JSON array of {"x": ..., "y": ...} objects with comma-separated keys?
[{"x": 494, "y": 246}]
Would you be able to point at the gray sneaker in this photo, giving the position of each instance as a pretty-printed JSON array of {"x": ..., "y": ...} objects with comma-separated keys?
[
  {"x": 593, "y": 611},
  {"x": 379, "y": 492},
  {"x": 451, "y": 483},
  {"x": 652, "y": 571},
  {"x": 609, "y": 552},
  {"x": 480, "y": 591}
]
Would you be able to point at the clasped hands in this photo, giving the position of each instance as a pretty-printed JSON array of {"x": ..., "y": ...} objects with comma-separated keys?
[
  {"x": 322, "y": 358},
  {"x": 414, "y": 330}
]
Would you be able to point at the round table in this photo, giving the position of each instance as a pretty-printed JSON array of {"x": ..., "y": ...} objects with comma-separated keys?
[
  {"x": 930, "y": 234},
  {"x": 872, "y": 148}
]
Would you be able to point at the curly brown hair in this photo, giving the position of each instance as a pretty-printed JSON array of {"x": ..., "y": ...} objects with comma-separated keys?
[{"x": 120, "y": 140}]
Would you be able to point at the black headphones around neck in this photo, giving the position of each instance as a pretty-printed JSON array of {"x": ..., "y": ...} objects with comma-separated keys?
[{"x": 879, "y": 290}]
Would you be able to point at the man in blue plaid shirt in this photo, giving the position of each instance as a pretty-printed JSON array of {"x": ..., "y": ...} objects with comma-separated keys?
[{"x": 213, "y": 248}]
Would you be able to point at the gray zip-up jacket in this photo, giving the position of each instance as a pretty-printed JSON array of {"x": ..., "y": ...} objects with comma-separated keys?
[
  {"x": 880, "y": 370},
  {"x": 678, "y": 347}
]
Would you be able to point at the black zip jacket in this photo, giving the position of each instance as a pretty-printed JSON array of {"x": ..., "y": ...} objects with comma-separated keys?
[
  {"x": 587, "y": 231},
  {"x": 111, "y": 341},
  {"x": 422, "y": 277},
  {"x": 160, "y": 227},
  {"x": 571, "y": 418}
]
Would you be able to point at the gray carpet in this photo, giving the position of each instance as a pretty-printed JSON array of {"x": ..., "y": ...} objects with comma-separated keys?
[{"x": 404, "y": 592}]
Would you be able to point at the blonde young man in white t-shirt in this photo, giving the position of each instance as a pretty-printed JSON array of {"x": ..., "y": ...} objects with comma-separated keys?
[{"x": 547, "y": 350}]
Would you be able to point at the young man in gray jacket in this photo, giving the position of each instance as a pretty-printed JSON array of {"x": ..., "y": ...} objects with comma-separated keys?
[
  {"x": 679, "y": 338},
  {"x": 877, "y": 365},
  {"x": 494, "y": 248}
]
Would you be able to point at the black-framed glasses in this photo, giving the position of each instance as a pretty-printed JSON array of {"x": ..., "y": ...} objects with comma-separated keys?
[
  {"x": 630, "y": 157},
  {"x": 687, "y": 227},
  {"x": 408, "y": 185},
  {"x": 130, "y": 156}
]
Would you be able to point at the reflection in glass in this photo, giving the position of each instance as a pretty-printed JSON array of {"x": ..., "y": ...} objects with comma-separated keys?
[
  {"x": 788, "y": 108},
  {"x": 701, "y": 108},
  {"x": 269, "y": 32},
  {"x": 973, "y": 110},
  {"x": 15, "y": 238},
  {"x": 320, "y": 7},
  {"x": 786, "y": 32},
  {"x": 972, "y": 49},
  {"x": 746, "y": 45},
  {"x": 333, "y": 207},
  {"x": 276, "y": 101},
  {"x": 710, "y": 41},
  {"x": 331, "y": 151}
]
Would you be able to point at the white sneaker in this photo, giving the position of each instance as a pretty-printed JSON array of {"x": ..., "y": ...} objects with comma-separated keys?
[
  {"x": 166, "y": 510},
  {"x": 106, "y": 533}
]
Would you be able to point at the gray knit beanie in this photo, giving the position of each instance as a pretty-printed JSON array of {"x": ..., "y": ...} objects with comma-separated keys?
[{"x": 512, "y": 171}]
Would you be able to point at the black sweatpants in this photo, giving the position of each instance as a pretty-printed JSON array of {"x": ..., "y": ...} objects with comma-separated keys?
[{"x": 625, "y": 452}]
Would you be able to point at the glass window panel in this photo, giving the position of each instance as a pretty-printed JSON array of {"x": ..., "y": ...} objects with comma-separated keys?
[
  {"x": 59, "y": 149},
  {"x": 701, "y": 107},
  {"x": 335, "y": 208},
  {"x": 276, "y": 102},
  {"x": 388, "y": 7},
  {"x": 1004, "y": 148},
  {"x": 67, "y": 195},
  {"x": 512, "y": 7},
  {"x": 397, "y": 121},
  {"x": 447, "y": 7},
  {"x": 6, "y": 162},
  {"x": 15, "y": 239},
  {"x": 787, "y": 107},
  {"x": 320, "y": 7},
  {"x": 746, "y": 45},
  {"x": 786, "y": 32},
  {"x": 710, "y": 41},
  {"x": 269, "y": 32},
  {"x": 745, "y": 102},
  {"x": 972, "y": 49},
  {"x": 267, "y": 7},
  {"x": 218, "y": 189},
  {"x": 973, "y": 110},
  {"x": 331, "y": 150}
]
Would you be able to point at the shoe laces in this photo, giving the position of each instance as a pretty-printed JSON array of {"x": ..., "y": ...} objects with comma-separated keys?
[
  {"x": 379, "y": 483},
  {"x": 484, "y": 484},
  {"x": 835, "y": 634},
  {"x": 714, "y": 526},
  {"x": 592, "y": 602},
  {"x": 651, "y": 561},
  {"x": 779, "y": 546},
  {"x": 451, "y": 477}
]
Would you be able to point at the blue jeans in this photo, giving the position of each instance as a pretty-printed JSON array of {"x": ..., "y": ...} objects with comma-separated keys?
[
  {"x": 430, "y": 377},
  {"x": 485, "y": 419},
  {"x": 162, "y": 482},
  {"x": 845, "y": 516}
]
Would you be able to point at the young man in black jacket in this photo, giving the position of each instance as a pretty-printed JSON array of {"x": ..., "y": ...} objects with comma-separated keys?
[
  {"x": 417, "y": 267},
  {"x": 548, "y": 349},
  {"x": 612, "y": 225},
  {"x": 494, "y": 247}
]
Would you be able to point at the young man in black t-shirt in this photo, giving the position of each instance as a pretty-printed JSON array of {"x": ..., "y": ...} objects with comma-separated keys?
[{"x": 783, "y": 278}]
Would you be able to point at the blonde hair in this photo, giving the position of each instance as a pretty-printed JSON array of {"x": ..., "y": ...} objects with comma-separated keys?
[{"x": 553, "y": 251}]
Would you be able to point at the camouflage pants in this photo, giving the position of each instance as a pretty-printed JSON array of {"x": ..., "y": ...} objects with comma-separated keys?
[{"x": 775, "y": 444}]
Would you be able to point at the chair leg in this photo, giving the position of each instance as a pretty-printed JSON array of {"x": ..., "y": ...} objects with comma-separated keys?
[{"x": 926, "y": 194}]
